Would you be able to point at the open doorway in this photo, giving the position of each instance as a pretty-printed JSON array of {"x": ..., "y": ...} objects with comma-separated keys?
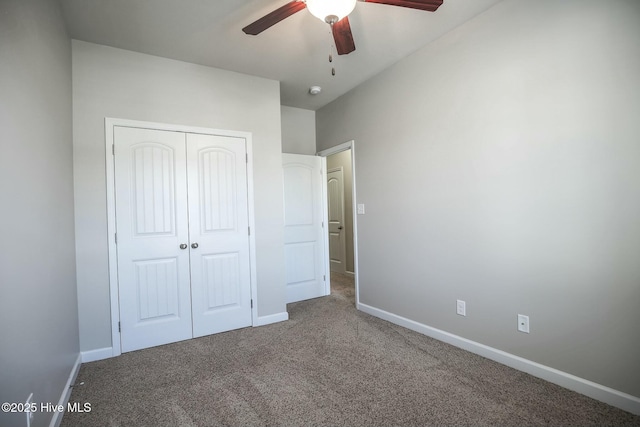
[{"x": 341, "y": 219}]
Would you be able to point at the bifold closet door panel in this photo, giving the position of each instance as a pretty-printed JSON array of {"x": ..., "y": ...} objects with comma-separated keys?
[
  {"x": 152, "y": 224},
  {"x": 218, "y": 233}
]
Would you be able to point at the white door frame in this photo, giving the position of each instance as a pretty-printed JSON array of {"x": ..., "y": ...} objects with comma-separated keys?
[
  {"x": 109, "y": 124},
  {"x": 349, "y": 145}
]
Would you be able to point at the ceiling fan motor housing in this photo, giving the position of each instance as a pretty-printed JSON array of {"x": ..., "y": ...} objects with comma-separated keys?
[{"x": 331, "y": 19}]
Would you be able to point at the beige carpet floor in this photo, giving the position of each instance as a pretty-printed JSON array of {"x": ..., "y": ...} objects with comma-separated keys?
[{"x": 329, "y": 365}]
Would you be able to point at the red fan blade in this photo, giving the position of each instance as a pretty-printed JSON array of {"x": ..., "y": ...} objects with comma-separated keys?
[
  {"x": 343, "y": 37},
  {"x": 428, "y": 5},
  {"x": 274, "y": 17}
]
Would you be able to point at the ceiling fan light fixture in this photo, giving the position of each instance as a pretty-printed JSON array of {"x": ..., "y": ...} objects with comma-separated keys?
[{"x": 330, "y": 11}]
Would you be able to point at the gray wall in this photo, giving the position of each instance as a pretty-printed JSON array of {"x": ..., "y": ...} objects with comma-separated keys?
[
  {"x": 110, "y": 82},
  {"x": 38, "y": 308},
  {"x": 501, "y": 165},
  {"x": 343, "y": 159},
  {"x": 298, "y": 130}
]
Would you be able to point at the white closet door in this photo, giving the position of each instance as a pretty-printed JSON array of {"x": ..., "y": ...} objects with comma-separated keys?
[
  {"x": 219, "y": 239},
  {"x": 151, "y": 214},
  {"x": 303, "y": 232}
]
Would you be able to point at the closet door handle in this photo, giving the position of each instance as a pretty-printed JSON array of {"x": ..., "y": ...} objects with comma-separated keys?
[
  {"x": 183, "y": 246},
  {"x": 194, "y": 245}
]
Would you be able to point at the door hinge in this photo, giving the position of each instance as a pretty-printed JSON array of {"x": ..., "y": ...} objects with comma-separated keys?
[
  {"x": 116, "y": 237},
  {"x": 251, "y": 303},
  {"x": 249, "y": 231},
  {"x": 246, "y": 156},
  {"x": 113, "y": 149},
  {"x": 119, "y": 328},
  {"x": 324, "y": 278}
]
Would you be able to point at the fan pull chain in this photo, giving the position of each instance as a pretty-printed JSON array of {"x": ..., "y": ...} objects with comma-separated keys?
[{"x": 331, "y": 46}]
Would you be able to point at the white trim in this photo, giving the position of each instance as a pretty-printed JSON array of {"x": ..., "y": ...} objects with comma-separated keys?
[
  {"x": 109, "y": 124},
  {"x": 336, "y": 149},
  {"x": 97, "y": 354},
  {"x": 349, "y": 145},
  {"x": 175, "y": 127},
  {"x": 354, "y": 204},
  {"x": 252, "y": 225},
  {"x": 596, "y": 391},
  {"x": 325, "y": 221},
  {"x": 272, "y": 318},
  {"x": 111, "y": 232},
  {"x": 66, "y": 393}
]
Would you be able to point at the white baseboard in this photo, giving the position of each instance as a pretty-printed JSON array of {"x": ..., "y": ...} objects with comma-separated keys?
[
  {"x": 272, "y": 318},
  {"x": 66, "y": 393},
  {"x": 97, "y": 354},
  {"x": 596, "y": 391}
]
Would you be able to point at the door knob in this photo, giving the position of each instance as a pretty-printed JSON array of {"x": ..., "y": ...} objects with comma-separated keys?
[
  {"x": 194, "y": 245},
  {"x": 340, "y": 228},
  {"x": 183, "y": 246}
]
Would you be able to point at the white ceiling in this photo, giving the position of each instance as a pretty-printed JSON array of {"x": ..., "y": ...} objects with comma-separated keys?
[{"x": 294, "y": 51}]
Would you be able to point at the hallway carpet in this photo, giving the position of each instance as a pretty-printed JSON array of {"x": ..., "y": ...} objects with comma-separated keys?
[{"x": 329, "y": 365}]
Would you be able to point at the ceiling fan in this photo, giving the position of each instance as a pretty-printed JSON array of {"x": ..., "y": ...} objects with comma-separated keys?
[{"x": 335, "y": 13}]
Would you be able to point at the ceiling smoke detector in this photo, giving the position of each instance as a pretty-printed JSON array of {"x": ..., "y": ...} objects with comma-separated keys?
[{"x": 314, "y": 90}]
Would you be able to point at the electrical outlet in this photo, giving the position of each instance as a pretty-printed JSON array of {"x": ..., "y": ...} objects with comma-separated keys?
[
  {"x": 28, "y": 412},
  {"x": 523, "y": 323},
  {"x": 461, "y": 307},
  {"x": 360, "y": 208}
]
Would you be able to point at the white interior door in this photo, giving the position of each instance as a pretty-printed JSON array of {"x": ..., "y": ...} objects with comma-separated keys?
[
  {"x": 219, "y": 233},
  {"x": 337, "y": 243},
  {"x": 151, "y": 211},
  {"x": 304, "y": 241}
]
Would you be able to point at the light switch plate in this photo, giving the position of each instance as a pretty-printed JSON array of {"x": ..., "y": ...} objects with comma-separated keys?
[{"x": 360, "y": 208}]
